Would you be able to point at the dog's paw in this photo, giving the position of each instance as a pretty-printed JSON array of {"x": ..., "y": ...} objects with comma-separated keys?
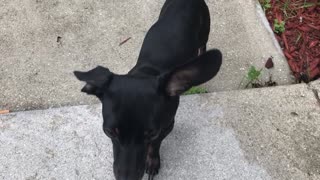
[{"x": 153, "y": 165}]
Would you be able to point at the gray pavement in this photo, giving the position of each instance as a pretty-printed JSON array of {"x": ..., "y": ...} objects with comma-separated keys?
[
  {"x": 268, "y": 133},
  {"x": 43, "y": 41}
]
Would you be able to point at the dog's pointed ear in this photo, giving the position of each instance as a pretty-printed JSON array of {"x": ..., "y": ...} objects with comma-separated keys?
[
  {"x": 199, "y": 70},
  {"x": 95, "y": 79}
]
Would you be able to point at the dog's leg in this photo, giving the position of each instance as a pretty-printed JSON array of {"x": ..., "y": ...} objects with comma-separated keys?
[{"x": 153, "y": 156}]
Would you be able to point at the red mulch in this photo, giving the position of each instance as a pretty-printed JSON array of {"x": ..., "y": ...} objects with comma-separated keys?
[{"x": 301, "y": 39}]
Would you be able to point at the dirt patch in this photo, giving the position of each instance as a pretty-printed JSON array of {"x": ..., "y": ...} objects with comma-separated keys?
[{"x": 266, "y": 84}]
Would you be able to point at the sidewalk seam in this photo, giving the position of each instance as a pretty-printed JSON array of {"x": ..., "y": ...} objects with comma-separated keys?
[{"x": 315, "y": 93}]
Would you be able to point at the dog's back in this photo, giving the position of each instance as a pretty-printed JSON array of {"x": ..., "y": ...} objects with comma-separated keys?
[{"x": 182, "y": 28}]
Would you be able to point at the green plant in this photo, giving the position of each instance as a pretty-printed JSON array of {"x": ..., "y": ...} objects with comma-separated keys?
[
  {"x": 252, "y": 77},
  {"x": 253, "y": 74},
  {"x": 195, "y": 90},
  {"x": 253, "y": 80},
  {"x": 265, "y": 4},
  {"x": 279, "y": 26}
]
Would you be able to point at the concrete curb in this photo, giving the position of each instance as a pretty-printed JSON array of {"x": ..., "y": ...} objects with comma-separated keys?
[{"x": 268, "y": 133}]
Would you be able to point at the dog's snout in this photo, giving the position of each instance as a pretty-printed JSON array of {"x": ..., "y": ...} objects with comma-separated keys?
[
  {"x": 129, "y": 161},
  {"x": 128, "y": 174}
]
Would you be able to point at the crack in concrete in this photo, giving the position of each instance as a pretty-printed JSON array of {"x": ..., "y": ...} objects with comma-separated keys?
[
  {"x": 315, "y": 92},
  {"x": 316, "y": 95},
  {"x": 98, "y": 148}
]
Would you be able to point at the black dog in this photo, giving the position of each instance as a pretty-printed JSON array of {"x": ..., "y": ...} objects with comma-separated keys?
[{"x": 139, "y": 108}]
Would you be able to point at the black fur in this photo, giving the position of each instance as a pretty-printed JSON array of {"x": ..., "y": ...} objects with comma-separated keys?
[{"x": 139, "y": 108}]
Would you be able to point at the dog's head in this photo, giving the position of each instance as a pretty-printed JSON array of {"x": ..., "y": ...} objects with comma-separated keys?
[{"x": 135, "y": 108}]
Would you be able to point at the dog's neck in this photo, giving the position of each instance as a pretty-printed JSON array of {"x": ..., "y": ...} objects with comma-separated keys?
[{"x": 146, "y": 70}]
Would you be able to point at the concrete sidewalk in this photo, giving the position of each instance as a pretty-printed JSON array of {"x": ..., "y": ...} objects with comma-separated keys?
[
  {"x": 270, "y": 133},
  {"x": 43, "y": 41}
]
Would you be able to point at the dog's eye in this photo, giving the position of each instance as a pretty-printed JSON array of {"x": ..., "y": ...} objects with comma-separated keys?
[{"x": 112, "y": 132}]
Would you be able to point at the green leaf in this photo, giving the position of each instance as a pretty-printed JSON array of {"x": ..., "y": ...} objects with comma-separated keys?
[
  {"x": 265, "y": 4},
  {"x": 253, "y": 73},
  {"x": 195, "y": 90},
  {"x": 279, "y": 27}
]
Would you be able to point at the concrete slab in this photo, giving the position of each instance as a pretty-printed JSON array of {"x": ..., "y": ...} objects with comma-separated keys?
[
  {"x": 270, "y": 133},
  {"x": 43, "y": 41},
  {"x": 241, "y": 30}
]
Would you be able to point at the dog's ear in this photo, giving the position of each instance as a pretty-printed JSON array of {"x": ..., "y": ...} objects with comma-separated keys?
[
  {"x": 95, "y": 80},
  {"x": 199, "y": 70}
]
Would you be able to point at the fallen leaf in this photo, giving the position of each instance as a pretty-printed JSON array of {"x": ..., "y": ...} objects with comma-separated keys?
[{"x": 269, "y": 63}]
